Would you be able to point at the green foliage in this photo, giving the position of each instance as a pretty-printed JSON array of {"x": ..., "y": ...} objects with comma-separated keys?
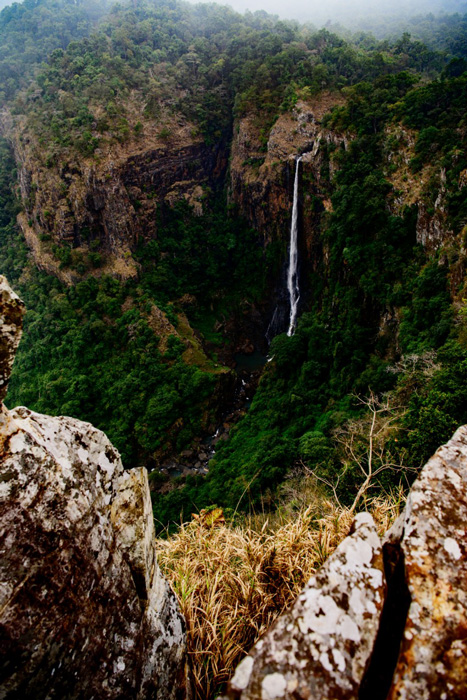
[
  {"x": 82, "y": 356},
  {"x": 216, "y": 258},
  {"x": 427, "y": 317},
  {"x": 368, "y": 104},
  {"x": 205, "y": 61},
  {"x": 32, "y": 30},
  {"x": 314, "y": 447},
  {"x": 416, "y": 37},
  {"x": 437, "y": 407},
  {"x": 13, "y": 253},
  {"x": 436, "y": 110}
]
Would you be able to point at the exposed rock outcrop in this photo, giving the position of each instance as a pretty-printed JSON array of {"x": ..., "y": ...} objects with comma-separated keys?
[
  {"x": 262, "y": 179},
  {"x": 109, "y": 201},
  {"x": 340, "y": 641},
  {"x": 321, "y": 647},
  {"x": 85, "y": 611},
  {"x": 431, "y": 534}
]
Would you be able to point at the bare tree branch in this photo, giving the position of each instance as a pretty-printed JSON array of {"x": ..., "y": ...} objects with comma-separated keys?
[{"x": 365, "y": 441}]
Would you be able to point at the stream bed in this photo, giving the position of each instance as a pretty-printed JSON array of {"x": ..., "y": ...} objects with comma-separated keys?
[{"x": 195, "y": 461}]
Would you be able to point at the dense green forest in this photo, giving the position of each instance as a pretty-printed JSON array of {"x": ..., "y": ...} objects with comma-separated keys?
[
  {"x": 212, "y": 64},
  {"x": 309, "y": 389},
  {"x": 384, "y": 316}
]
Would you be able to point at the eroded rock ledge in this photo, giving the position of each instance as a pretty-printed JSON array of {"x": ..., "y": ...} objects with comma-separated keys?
[{"x": 84, "y": 609}]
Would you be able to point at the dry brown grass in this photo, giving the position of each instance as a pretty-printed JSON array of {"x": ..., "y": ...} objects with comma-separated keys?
[{"x": 233, "y": 581}]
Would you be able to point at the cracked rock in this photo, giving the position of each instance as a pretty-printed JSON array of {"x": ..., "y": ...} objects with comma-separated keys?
[
  {"x": 321, "y": 647},
  {"x": 433, "y": 538}
]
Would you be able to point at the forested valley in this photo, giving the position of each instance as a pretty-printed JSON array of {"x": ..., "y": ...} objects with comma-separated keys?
[{"x": 146, "y": 181}]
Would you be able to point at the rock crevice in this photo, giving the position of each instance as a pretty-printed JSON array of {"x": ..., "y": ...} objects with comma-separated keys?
[{"x": 407, "y": 636}]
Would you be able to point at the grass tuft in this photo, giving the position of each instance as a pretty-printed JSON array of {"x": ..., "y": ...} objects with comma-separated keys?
[{"x": 234, "y": 580}]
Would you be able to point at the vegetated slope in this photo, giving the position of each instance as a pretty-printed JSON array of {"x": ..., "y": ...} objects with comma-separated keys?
[
  {"x": 122, "y": 145},
  {"x": 119, "y": 354},
  {"x": 443, "y": 31},
  {"x": 31, "y": 30}
]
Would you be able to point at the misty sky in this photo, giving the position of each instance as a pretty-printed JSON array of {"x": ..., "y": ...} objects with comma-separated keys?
[{"x": 345, "y": 11}]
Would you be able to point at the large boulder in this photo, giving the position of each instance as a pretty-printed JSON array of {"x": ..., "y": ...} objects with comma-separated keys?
[
  {"x": 321, "y": 647},
  {"x": 432, "y": 536},
  {"x": 84, "y": 609},
  {"x": 340, "y": 641}
]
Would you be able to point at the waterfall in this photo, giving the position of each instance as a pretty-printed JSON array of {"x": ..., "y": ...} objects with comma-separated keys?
[{"x": 292, "y": 272}]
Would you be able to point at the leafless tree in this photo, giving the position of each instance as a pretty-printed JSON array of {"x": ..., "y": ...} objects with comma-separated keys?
[
  {"x": 367, "y": 443},
  {"x": 409, "y": 364}
]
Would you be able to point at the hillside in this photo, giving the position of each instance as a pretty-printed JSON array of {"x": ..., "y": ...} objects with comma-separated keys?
[{"x": 147, "y": 179}]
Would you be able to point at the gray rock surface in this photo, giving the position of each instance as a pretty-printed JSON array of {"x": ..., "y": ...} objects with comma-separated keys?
[
  {"x": 320, "y": 648},
  {"x": 11, "y": 322},
  {"x": 340, "y": 641},
  {"x": 84, "y": 610},
  {"x": 433, "y": 538}
]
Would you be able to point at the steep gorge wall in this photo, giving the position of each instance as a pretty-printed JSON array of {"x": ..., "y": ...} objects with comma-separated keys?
[
  {"x": 109, "y": 201},
  {"x": 261, "y": 179},
  {"x": 261, "y": 176},
  {"x": 409, "y": 188}
]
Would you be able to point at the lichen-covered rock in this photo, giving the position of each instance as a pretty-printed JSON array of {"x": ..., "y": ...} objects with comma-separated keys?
[
  {"x": 84, "y": 610},
  {"x": 11, "y": 322},
  {"x": 432, "y": 534},
  {"x": 321, "y": 647},
  {"x": 340, "y": 641},
  {"x": 133, "y": 521}
]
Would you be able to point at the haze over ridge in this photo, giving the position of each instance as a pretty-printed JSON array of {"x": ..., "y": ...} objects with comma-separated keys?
[{"x": 347, "y": 12}]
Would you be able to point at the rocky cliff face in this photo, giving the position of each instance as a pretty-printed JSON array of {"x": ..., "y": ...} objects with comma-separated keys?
[
  {"x": 430, "y": 541},
  {"x": 261, "y": 178},
  {"x": 380, "y": 620},
  {"x": 261, "y": 175},
  {"x": 85, "y": 611},
  {"x": 108, "y": 202},
  {"x": 410, "y": 189}
]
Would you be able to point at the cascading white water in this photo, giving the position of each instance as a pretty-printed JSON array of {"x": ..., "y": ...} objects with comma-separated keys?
[{"x": 292, "y": 272}]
